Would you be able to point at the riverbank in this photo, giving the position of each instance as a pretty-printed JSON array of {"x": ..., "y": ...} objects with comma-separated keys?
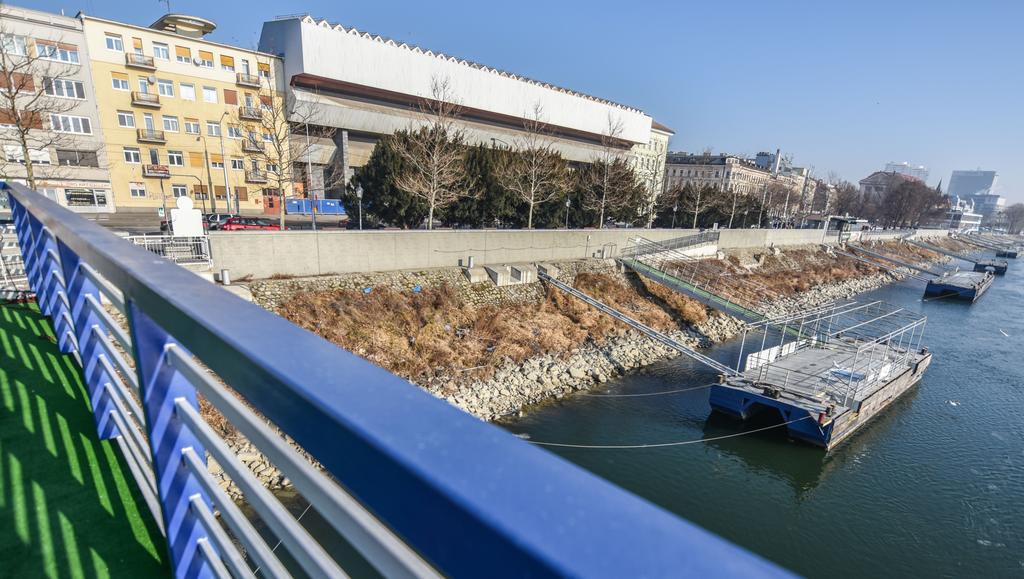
[{"x": 494, "y": 352}]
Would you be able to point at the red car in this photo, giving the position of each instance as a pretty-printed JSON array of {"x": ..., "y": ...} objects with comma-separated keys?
[{"x": 249, "y": 223}]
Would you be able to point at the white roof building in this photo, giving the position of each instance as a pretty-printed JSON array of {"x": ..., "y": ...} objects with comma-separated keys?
[{"x": 370, "y": 86}]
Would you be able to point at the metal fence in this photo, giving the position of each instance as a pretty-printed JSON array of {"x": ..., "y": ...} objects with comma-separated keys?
[
  {"x": 180, "y": 250},
  {"x": 416, "y": 486}
]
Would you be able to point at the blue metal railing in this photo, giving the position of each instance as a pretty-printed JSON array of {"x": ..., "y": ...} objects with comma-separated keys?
[{"x": 416, "y": 486}]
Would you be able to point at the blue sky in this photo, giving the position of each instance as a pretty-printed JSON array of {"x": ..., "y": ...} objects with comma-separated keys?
[{"x": 842, "y": 86}]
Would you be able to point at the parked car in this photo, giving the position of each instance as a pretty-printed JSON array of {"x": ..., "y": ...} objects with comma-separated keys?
[
  {"x": 249, "y": 223},
  {"x": 214, "y": 221}
]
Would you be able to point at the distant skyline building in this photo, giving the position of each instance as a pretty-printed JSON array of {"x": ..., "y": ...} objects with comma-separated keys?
[
  {"x": 905, "y": 168},
  {"x": 976, "y": 182}
]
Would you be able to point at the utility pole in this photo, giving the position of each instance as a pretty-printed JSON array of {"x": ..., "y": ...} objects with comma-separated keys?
[
  {"x": 224, "y": 164},
  {"x": 209, "y": 178}
]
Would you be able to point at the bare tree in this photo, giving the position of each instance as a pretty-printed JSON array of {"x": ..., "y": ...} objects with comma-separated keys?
[
  {"x": 36, "y": 92},
  {"x": 434, "y": 153},
  {"x": 535, "y": 172},
  {"x": 612, "y": 184},
  {"x": 285, "y": 137}
]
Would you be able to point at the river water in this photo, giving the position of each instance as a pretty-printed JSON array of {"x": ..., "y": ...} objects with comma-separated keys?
[{"x": 934, "y": 486}]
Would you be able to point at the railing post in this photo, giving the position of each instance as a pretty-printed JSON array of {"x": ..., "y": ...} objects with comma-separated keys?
[
  {"x": 48, "y": 282},
  {"x": 79, "y": 287},
  {"x": 161, "y": 384}
]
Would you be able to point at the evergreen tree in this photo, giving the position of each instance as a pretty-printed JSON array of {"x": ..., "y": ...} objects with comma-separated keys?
[
  {"x": 383, "y": 202},
  {"x": 489, "y": 204}
]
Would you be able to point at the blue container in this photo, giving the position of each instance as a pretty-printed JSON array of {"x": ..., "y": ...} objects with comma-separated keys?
[{"x": 296, "y": 206}]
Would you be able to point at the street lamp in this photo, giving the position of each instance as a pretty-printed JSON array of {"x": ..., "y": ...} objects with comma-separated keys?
[
  {"x": 495, "y": 139},
  {"x": 359, "y": 195},
  {"x": 568, "y": 202}
]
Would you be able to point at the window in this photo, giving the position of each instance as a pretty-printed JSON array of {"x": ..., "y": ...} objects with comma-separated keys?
[
  {"x": 234, "y": 132},
  {"x": 60, "y": 52},
  {"x": 264, "y": 69},
  {"x": 179, "y": 190},
  {"x": 227, "y": 63},
  {"x": 63, "y": 88},
  {"x": 71, "y": 124},
  {"x": 143, "y": 85},
  {"x": 137, "y": 189},
  {"x": 272, "y": 167},
  {"x": 209, "y": 94},
  {"x": 72, "y": 158},
  {"x": 161, "y": 51},
  {"x": 212, "y": 129},
  {"x": 188, "y": 91},
  {"x": 154, "y": 157},
  {"x": 165, "y": 88},
  {"x": 126, "y": 119},
  {"x": 245, "y": 66},
  {"x": 131, "y": 155},
  {"x": 114, "y": 42},
  {"x": 13, "y": 44},
  {"x": 183, "y": 54},
  {"x": 176, "y": 158},
  {"x": 238, "y": 164},
  {"x": 205, "y": 59},
  {"x": 217, "y": 164},
  {"x": 119, "y": 80},
  {"x": 147, "y": 121},
  {"x": 15, "y": 154},
  {"x": 267, "y": 137},
  {"x": 171, "y": 124},
  {"x": 192, "y": 126},
  {"x": 137, "y": 45}
]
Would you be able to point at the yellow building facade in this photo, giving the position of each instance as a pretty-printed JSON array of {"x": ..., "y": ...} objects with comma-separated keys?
[{"x": 184, "y": 116}]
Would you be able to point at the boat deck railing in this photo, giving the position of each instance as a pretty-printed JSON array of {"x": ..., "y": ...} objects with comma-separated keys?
[{"x": 414, "y": 485}]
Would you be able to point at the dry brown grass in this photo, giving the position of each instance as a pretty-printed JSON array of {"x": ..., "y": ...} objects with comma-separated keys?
[{"x": 435, "y": 332}]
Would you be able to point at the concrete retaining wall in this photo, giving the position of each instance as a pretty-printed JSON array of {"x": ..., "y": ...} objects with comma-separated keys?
[{"x": 304, "y": 253}]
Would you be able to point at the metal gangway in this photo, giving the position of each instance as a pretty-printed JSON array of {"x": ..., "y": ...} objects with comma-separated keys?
[
  {"x": 983, "y": 243},
  {"x": 943, "y": 251},
  {"x": 885, "y": 257},
  {"x": 417, "y": 487},
  {"x": 637, "y": 325},
  {"x": 873, "y": 263},
  {"x": 717, "y": 288}
]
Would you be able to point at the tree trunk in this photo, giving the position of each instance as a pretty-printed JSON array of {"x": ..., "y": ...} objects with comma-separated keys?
[
  {"x": 280, "y": 192},
  {"x": 430, "y": 217},
  {"x": 529, "y": 219}
]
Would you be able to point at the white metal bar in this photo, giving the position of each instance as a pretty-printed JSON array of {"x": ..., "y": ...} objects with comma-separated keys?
[
  {"x": 307, "y": 551},
  {"x": 382, "y": 548},
  {"x": 228, "y": 552}
]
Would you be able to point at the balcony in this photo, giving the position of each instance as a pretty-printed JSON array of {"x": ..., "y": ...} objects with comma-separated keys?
[
  {"x": 243, "y": 79},
  {"x": 158, "y": 171},
  {"x": 151, "y": 136},
  {"x": 255, "y": 176},
  {"x": 145, "y": 99},
  {"x": 252, "y": 146},
  {"x": 250, "y": 113},
  {"x": 140, "y": 61}
]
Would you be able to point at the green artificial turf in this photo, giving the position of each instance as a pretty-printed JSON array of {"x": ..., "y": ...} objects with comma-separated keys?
[{"x": 68, "y": 504}]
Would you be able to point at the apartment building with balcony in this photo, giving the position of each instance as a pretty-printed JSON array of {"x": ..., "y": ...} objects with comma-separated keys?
[
  {"x": 55, "y": 100},
  {"x": 182, "y": 115}
]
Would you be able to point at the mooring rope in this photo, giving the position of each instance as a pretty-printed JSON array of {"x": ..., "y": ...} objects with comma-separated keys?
[
  {"x": 645, "y": 394},
  {"x": 663, "y": 444}
]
